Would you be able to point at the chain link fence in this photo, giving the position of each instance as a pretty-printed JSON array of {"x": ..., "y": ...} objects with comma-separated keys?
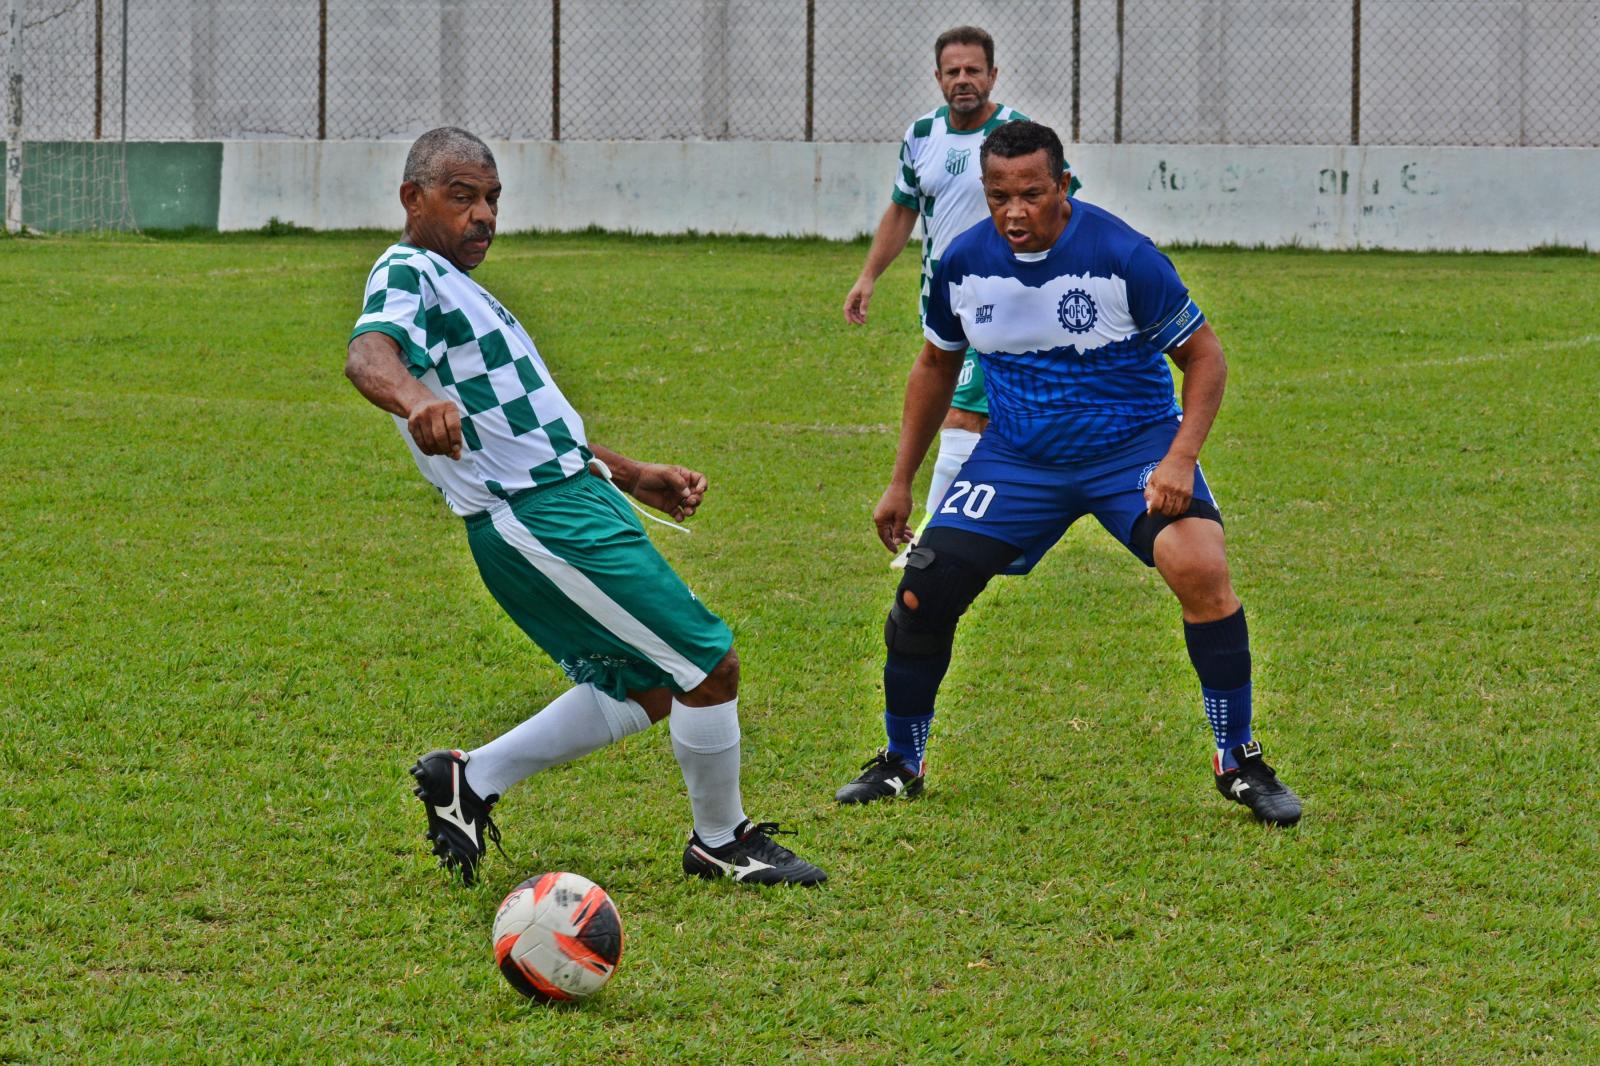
[{"x": 1425, "y": 72}]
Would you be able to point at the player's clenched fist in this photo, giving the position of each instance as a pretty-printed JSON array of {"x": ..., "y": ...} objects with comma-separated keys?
[
  {"x": 436, "y": 427},
  {"x": 891, "y": 515}
]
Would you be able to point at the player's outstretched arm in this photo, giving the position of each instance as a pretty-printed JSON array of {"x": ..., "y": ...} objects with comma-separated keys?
[
  {"x": 671, "y": 489},
  {"x": 928, "y": 391},
  {"x": 373, "y": 366},
  {"x": 1205, "y": 376},
  {"x": 894, "y": 230}
]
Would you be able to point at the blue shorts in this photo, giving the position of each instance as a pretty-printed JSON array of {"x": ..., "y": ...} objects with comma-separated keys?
[{"x": 1003, "y": 494}]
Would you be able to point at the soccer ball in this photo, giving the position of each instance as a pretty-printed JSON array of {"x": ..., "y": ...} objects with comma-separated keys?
[{"x": 557, "y": 936}]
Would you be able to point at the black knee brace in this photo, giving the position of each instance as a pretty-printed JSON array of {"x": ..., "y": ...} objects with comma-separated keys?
[
  {"x": 945, "y": 573},
  {"x": 1147, "y": 526}
]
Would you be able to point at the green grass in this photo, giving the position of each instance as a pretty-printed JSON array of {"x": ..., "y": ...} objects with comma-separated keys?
[{"x": 235, "y": 613}]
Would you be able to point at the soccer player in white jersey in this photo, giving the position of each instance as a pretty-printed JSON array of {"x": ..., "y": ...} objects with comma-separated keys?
[
  {"x": 555, "y": 541},
  {"x": 1073, "y": 314},
  {"x": 938, "y": 182}
]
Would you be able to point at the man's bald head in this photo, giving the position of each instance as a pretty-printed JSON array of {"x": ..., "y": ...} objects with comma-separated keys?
[{"x": 433, "y": 153}]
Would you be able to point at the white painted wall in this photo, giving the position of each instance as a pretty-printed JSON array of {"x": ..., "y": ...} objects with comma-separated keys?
[{"x": 1492, "y": 199}]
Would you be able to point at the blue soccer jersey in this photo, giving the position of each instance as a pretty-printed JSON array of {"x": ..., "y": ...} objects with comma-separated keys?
[{"x": 1071, "y": 339}]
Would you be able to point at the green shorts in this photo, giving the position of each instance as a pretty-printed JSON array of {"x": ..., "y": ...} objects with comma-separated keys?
[
  {"x": 572, "y": 565},
  {"x": 969, "y": 387}
]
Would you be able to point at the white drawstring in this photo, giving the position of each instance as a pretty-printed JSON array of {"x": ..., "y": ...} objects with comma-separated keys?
[{"x": 604, "y": 471}]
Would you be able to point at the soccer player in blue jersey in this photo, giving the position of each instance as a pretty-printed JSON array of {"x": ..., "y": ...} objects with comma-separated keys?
[
  {"x": 937, "y": 181},
  {"x": 1072, "y": 314}
]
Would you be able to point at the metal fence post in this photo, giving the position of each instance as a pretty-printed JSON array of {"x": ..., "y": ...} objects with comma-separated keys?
[
  {"x": 1116, "y": 136},
  {"x": 99, "y": 64},
  {"x": 322, "y": 70},
  {"x": 555, "y": 70},
  {"x": 1355, "y": 71},
  {"x": 14, "y": 124},
  {"x": 1077, "y": 67},
  {"x": 811, "y": 67},
  {"x": 122, "y": 98}
]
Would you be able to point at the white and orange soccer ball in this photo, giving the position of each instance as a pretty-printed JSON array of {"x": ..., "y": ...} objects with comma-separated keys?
[{"x": 557, "y": 936}]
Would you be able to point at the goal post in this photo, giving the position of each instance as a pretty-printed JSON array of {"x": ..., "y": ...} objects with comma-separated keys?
[
  {"x": 66, "y": 164},
  {"x": 13, "y": 99}
]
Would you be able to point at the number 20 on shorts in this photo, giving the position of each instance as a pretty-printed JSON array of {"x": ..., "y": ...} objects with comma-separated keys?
[{"x": 968, "y": 499}]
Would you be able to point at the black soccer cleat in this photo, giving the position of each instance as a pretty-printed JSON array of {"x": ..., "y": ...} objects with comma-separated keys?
[
  {"x": 883, "y": 777},
  {"x": 457, "y": 819},
  {"x": 1255, "y": 785},
  {"x": 751, "y": 857}
]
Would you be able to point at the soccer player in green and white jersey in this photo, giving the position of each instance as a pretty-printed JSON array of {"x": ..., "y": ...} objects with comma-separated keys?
[
  {"x": 938, "y": 181},
  {"x": 558, "y": 546}
]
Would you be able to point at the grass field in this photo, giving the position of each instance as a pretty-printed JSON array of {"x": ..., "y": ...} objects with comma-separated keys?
[{"x": 235, "y": 613}]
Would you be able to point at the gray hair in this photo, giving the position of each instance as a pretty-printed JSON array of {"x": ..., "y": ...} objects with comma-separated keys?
[{"x": 435, "y": 150}]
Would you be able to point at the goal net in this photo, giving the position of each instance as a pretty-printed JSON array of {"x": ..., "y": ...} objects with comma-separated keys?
[{"x": 65, "y": 124}]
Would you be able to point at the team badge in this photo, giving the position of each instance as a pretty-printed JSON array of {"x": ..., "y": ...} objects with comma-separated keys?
[
  {"x": 500, "y": 312},
  {"x": 1076, "y": 312},
  {"x": 956, "y": 160}
]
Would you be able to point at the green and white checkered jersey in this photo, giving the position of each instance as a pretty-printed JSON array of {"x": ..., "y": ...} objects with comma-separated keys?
[
  {"x": 939, "y": 178},
  {"x": 517, "y": 429}
]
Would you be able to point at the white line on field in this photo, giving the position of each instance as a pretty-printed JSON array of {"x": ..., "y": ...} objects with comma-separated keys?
[{"x": 1584, "y": 341}]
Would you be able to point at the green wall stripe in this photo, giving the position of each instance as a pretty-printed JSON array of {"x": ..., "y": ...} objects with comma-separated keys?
[{"x": 171, "y": 184}]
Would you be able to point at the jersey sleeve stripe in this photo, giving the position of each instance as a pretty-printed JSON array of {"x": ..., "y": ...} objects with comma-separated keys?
[
  {"x": 414, "y": 355},
  {"x": 1177, "y": 327}
]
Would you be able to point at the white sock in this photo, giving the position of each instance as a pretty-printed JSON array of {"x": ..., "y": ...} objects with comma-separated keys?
[
  {"x": 955, "y": 446},
  {"x": 706, "y": 742},
  {"x": 575, "y": 723}
]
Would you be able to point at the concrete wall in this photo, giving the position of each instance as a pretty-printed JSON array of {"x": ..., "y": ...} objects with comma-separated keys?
[
  {"x": 75, "y": 185},
  {"x": 1496, "y": 199}
]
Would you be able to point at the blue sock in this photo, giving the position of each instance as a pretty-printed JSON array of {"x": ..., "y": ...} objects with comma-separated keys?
[
  {"x": 1229, "y": 713},
  {"x": 908, "y": 738},
  {"x": 1220, "y": 652},
  {"x": 909, "y": 688}
]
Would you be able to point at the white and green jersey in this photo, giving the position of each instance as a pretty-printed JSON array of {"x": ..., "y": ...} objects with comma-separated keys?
[
  {"x": 939, "y": 178},
  {"x": 518, "y": 431}
]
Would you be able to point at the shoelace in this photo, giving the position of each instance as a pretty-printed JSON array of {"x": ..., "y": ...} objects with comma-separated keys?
[
  {"x": 889, "y": 765},
  {"x": 492, "y": 831},
  {"x": 605, "y": 471},
  {"x": 766, "y": 847},
  {"x": 769, "y": 829}
]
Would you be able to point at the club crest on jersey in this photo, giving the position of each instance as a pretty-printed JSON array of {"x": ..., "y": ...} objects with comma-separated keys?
[
  {"x": 500, "y": 312},
  {"x": 1076, "y": 312},
  {"x": 955, "y": 161}
]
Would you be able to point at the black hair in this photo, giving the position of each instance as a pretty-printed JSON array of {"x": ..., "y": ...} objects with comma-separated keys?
[{"x": 1016, "y": 139}]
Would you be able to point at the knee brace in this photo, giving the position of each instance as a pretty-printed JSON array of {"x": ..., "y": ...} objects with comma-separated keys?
[
  {"x": 944, "y": 573},
  {"x": 1147, "y": 526}
]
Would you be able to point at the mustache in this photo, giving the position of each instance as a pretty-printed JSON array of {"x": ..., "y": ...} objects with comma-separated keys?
[{"x": 478, "y": 233}]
